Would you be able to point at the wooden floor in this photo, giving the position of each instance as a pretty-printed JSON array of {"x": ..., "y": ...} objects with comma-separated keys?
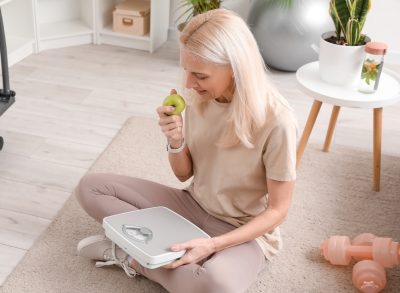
[{"x": 72, "y": 101}]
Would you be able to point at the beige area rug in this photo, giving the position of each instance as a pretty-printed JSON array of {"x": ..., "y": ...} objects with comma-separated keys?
[{"x": 333, "y": 196}]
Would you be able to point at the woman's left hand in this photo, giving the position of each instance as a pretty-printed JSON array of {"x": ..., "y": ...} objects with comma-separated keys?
[{"x": 196, "y": 250}]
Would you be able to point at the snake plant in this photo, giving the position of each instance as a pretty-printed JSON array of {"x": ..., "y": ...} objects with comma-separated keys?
[
  {"x": 349, "y": 17},
  {"x": 194, "y": 7}
]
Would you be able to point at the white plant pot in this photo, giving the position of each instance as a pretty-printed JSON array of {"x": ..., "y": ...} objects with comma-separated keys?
[{"x": 340, "y": 65}]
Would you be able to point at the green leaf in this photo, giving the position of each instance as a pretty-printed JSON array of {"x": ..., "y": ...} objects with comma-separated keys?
[
  {"x": 351, "y": 4},
  {"x": 335, "y": 19},
  {"x": 197, "y": 6},
  {"x": 189, "y": 15},
  {"x": 341, "y": 10},
  {"x": 352, "y": 32},
  {"x": 349, "y": 17},
  {"x": 362, "y": 9}
]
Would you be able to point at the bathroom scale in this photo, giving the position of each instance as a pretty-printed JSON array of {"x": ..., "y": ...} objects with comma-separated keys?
[{"x": 147, "y": 234}]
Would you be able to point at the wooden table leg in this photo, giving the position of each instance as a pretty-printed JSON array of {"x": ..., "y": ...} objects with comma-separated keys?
[
  {"x": 377, "y": 147},
  {"x": 331, "y": 127},
  {"x": 307, "y": 130}
]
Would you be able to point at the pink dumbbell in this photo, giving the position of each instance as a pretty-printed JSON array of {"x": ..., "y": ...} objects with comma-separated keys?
[
  {"x": 369, "y": 276},
  {"x": 363, "y": 239},
  {"x": 338, "y": 250},
  {"x": 375, "y": 253}
]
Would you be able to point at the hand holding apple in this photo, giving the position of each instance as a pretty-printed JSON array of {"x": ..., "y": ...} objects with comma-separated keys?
[
  {"x": 170, "y": 118},
  {"x": 176, "y": 101}
]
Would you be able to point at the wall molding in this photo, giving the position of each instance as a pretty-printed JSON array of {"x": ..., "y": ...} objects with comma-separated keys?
[{"x": 172, "y": 33}]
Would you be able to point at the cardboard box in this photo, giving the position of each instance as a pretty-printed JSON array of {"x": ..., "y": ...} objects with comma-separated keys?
[{"x": 132, "y": 17}]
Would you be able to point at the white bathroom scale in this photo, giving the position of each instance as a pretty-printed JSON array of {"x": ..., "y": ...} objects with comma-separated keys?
[{"x": 147, "y": 234}]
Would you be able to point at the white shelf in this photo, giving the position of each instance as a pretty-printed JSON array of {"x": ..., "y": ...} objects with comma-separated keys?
[
  {"x": 19, "y": 48},
  {"x": 63, "y": 23},
  {"x": 64, "y": 34},
  {"x": 35, "y": 25},
  {"x": 63, "y": 29},
  {"x": 109, "y": 32},
  {"x": 108, "y": 36},
  {"x": 159, "y": 23},
  {"x": 17, "y": 43}
]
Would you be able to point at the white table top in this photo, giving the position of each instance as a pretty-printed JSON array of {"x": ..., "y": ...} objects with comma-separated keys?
[{"x": 309, "y": 81}]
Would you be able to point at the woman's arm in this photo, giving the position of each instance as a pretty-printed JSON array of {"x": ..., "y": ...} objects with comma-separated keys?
[
  {"x": 171, "y": 126},
  {"x": 279, "y": 201},
  {"x": 181, "y": 163}
]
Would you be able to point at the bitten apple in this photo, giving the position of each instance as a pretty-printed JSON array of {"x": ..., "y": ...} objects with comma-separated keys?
[{"x": 176, "y": 101}]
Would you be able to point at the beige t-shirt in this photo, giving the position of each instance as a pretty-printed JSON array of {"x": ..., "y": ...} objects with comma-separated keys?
[{"x": 230, "y": 183}]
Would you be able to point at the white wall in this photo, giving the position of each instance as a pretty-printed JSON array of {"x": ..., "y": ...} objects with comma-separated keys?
[
  {"x": 383, "y": 23},
  {"x": 173, "y": 15}
]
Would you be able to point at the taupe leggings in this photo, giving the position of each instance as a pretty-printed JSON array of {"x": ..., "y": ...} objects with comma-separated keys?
[{"x": 231, "y": 270}]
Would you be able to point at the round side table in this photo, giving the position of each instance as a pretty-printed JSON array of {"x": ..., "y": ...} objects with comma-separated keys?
[{"x": 387, "y": 94}]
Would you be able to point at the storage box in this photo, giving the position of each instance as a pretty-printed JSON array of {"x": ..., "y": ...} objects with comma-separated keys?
[
  {"x": 147, "y": 234},
  {"x": 132, "y": 17}
]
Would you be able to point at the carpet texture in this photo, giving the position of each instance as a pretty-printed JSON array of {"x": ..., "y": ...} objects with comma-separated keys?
[{"x": 333, "y": 196}]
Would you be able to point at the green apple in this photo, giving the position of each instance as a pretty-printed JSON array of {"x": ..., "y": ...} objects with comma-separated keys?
[{"x": 176, "y": 101}]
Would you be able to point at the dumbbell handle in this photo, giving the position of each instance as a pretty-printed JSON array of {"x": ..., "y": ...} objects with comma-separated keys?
[
  {"x": 383, "y": 250},
  {"x": 360, "y": 251},
  {"x": 363, "y": 252}
]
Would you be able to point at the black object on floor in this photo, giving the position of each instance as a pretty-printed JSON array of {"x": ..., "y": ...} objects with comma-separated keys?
[{"x": 7, "y": 96}]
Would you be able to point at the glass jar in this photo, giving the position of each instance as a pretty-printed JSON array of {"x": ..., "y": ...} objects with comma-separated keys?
[{"x": 372, "y": 67}]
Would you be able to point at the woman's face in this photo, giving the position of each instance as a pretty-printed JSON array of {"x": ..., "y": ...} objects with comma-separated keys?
[{"x": 209, "y": 80}]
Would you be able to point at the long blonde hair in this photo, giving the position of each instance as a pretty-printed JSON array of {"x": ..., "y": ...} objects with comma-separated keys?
[{"x": 222, "y": 37}]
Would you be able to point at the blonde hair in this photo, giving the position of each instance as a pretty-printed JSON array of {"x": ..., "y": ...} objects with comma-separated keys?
[{"x": 222, "y": 37}]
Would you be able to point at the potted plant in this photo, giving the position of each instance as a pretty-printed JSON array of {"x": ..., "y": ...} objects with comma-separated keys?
[
  {"x": 194, "y": 7},
  {"x": 241, "y": 7},
  {"x": 341, "y": 52}
]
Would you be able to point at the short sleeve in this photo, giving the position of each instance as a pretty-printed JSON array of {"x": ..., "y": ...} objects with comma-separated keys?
[{"x": 280, "y": 152}]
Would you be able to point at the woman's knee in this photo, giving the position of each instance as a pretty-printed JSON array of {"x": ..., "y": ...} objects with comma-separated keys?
[
  {"x": 87, "y": 187},
  {"x": 217, "y": 284},
  {"x": 234, "y": 270},
  {"x": 213, "y": 281}
]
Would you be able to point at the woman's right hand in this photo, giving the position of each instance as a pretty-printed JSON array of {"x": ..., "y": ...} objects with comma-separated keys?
[{"x": 171, "y": 125}]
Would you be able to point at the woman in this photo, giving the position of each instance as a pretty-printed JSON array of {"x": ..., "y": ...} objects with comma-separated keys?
[{"x": 239, "y": 148}]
